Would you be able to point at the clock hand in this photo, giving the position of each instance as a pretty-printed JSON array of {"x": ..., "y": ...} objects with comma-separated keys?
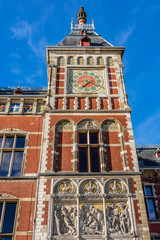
[
  {"x": 96, "y": 84},
  {"x": 86, "y": 84}
]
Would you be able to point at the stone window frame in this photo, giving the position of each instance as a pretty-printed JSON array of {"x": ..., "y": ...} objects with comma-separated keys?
[
  {"x": 88, "y": 146},
  {"x": 153, "y": 198},
  {"x": 99, "y": 128},
  {"x": 13, "y": 133},
  {"x": 5, "y": 199}
]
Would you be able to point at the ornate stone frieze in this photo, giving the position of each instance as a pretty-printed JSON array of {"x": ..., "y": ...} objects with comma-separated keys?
[
  {"x": 90, "y": 189},
  {"x": 65, "y": 126},
  {"x": 65, "y": 189},
  {"x": 117, "y": 217},
  {"x": 115, "y": 189},
  {"x": 88, "y": 124},
  {"x": 65, "y": 218},
  {"x": 110, "y": 126},
  {"x": 91, "y": 220}
]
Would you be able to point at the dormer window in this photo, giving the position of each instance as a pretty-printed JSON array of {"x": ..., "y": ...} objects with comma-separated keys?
[
  {"x": 157, "y": 153},
  {"x": 85, "y": 41}
]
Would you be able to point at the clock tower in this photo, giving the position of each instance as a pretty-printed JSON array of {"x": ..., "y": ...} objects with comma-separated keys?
[{"x": 89, "y": 185}]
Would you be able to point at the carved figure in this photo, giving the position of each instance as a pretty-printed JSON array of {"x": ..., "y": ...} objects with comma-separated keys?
[
  {"x": 58, "y": 219},
  {"x": 118, "y": 218},
  {"x": 115, "y": 221},
  {"x": 90, "y": 188},
  {"x": 67, "y": 221},
  {"x": 124, "y": 224},
  {"x": 91, "y": 220},
  {"x": 115, "y": 188},
  {"x": 65, "y": 187}
]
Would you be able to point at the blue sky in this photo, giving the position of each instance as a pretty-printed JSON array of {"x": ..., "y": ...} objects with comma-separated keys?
[{"x": 27, "y": 27}]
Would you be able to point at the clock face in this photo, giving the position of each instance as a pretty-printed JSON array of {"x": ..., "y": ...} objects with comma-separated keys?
[{"x": 83, "y": 81}]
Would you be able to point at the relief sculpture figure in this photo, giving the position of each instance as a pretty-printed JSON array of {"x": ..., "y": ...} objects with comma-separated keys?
[
  {"x": 118, "y": 218},
  {"x": 91, "y": 220},
  {"x": 65, "y": 219}
]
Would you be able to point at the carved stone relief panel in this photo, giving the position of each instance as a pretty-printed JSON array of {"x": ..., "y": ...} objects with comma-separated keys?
[
  {"x": 115, "y": 188},
  {"x": 88, "y": 124},
  {"x": 65, "y": 220},
  {"x": 65, "y": 189},
  {"x": 117, "y": 218},
  {"x": 91, "y": 209},
  {"x": 91, "y": 219},
  {"x": 90, "y": 189}
]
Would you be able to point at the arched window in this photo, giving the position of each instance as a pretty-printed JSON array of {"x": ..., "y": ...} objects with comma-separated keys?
[
  {"x": 60, "y": 61},
  {"x": 70, "y": 60},
  {"x": 110, "y": 61},
  {"x": 90, "y": 61},
  {"x": 100, "y": 61},
  {"x": 80, "y": 61},
  {"x": 88, "y": 146}
]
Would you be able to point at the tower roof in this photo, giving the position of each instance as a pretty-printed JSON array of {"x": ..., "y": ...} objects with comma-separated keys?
[{"x": 77, "y": 30}]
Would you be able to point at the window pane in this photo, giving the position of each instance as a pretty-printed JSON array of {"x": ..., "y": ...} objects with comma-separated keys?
[
  {"x": 83, "y": 166},
  {"x": 5, "y": 163},
  {"x": 1, "y": 139},
  {"x": 151, "y": 209},
  {"x": 93, "y": 138},
  {"x": 20, "y": 142},
  {"x": 16, "y": 170},
  {"x": 148, "y": 191},
  {"x": 1, "y": 206},
  {"x": 94, "y": 159},
  {"x": 5, "y": 238},
  {"x": 83, "y": 138},
  {"x": 9, "y": 218},
  {"x": 9, "y": 142}
]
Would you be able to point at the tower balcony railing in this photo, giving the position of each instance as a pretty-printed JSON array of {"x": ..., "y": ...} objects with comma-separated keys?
[{"x": 77, "y": 27}]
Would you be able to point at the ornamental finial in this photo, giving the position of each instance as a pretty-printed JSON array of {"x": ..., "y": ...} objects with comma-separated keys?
[{"x": 81, "y": 16}]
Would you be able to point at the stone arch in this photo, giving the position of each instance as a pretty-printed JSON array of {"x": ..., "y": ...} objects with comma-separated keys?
[
  {"x": 61, "y": 61},
  {"x": 111, "y": 124},
  {"x": 110, "y": 61},
  {"x": 100, "y": 61},
  {"x": 90, "y": 186},
  {"x": 80, "y": 61},
  {"x": 70, "y": 60},
  {"x": 90, "y": 61},
  {"x": 88, "y": 123},
  {"x": 65, "y": 186},
  {"x": 116, "y": 186}
]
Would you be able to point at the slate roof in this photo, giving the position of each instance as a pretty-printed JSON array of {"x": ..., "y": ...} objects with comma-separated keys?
[
  {"x": 148, "y": 157},
  {"x": 73, "y": 39}
]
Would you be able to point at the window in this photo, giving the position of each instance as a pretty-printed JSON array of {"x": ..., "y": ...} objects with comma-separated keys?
[
  {"x": 89, "y": 160},
  {"x": 7, "y": 217},
  {"x": 150, "y": 202},
  {"x": 11, "y": 154}
]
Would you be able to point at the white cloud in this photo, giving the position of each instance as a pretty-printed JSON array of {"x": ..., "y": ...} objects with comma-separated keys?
[
  {"x": 123, "y": 36},
  {"x": 24, "y": 30},
  {"x": 148, "y": 131}
]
